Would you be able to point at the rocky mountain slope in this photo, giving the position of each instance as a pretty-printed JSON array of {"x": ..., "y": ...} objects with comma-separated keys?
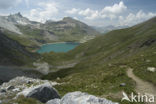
[
  {"x": 35, "y": 33},
  {"x": 10, "y": 22},
  {"x": 102, "y": 63},
  {"x": 70, "y": 29},
  {"x": 23, "y": 90},
  {"x": 12, "y": 53}
]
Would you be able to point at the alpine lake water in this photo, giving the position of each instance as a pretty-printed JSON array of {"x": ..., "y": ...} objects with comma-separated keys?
[{"x": 58, "y": 47}]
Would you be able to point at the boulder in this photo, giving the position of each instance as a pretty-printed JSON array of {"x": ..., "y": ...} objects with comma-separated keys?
[
  {"x": 29, "y": 82},
  {"x": 42, "y": 93},
  {"x": 123, "y": 84},
  {"x": 83, "y": 98},
  {"x": 54, "y": 101},
  {"x": 3, "y": 91}
]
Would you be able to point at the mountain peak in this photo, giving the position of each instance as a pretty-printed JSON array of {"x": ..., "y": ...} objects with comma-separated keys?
[
  {"x": 17, "y": 14},
  {"x": 67, "y": 18},
  {"x": 17, "y": 18}
]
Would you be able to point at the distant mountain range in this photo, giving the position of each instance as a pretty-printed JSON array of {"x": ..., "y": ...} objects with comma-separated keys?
[
  {"x": 105, "y": 29},
  {"x": 34, "y": 33}
]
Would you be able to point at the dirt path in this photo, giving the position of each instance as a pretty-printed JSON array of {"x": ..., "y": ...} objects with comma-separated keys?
[{"x": 142, "y": 86}]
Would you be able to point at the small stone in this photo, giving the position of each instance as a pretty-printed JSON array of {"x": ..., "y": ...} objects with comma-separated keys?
[
  {"x": 10, "y": 88},
  {"x": 151, "y": 69},
  {"x": 142, "y": 55},
  {"x": 109, "y": 65},
  {"x": 123, "y": 84},
  {"x": 16, "y": 90},
  {"x": 58, "y": 78},
  {"x": 148, "y": 60},
  {"x": 29, "y": 82},
  {"x": 2, "y": 91}
]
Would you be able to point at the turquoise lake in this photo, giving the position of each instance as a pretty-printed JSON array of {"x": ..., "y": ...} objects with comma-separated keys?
[{"x": 57, "y": 47}]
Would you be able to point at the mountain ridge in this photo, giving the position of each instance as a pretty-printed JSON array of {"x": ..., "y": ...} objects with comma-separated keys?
[
  {"x": 67, "y": 29},
  {"x": 106, "y": 29}
]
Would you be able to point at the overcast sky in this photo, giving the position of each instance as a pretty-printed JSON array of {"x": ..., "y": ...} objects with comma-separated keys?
[{"x": 92, "y": 12}]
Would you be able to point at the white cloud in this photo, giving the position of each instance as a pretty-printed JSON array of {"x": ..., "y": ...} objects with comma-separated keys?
[
  {"x": 133, "y": 19},
  {"x": 93, "y": 15},
  {"x": 89, "y": 14},
  {"x": 115, "y": 9},
  {"x": 45, "y": 11},
  {"x": 5, "y": 4},
  {"x": 110, "y": 12},
  {"x": 73, "y": 11},
  {"x": 86, "y": 12}
]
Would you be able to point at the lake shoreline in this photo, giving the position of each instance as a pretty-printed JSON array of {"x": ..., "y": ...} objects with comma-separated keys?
[
  {"x": 58, "y": 47},
  {"x": 59, "y": 42}
]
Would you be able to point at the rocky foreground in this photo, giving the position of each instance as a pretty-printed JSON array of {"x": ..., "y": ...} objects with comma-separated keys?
[{"x": 44, "y": 92}]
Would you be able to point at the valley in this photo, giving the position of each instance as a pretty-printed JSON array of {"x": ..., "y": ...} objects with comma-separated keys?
[
  {"x": 86, "y": 61},
  {"x": 36, "y": 34}
]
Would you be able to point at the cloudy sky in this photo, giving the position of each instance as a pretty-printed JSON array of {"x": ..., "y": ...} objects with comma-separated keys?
[{"x": 92, "y": 12}]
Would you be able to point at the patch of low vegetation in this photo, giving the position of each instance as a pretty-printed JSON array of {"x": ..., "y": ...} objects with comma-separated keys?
[
  {"x": 24, "y": 100},
  {"x": 30, "y": 44}
]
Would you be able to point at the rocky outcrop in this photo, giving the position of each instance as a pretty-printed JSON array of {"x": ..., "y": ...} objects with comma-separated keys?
[
  {"x": 83, "y": 98},
  {"x": 23, "y": 86},
  {"x": 80, "y": 98},
  {"x": 43, "y": 93}
]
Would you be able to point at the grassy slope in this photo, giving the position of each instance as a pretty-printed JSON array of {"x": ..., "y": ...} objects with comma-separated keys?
[
  {"x": 28, "y": 42},
  {"x": 104, "y": 60}
]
